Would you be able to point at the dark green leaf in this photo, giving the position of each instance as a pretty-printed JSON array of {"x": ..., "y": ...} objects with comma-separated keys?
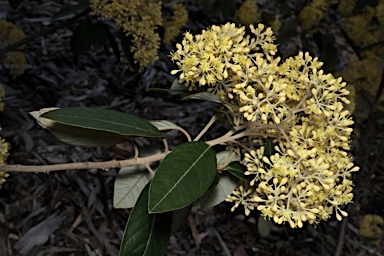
[
  {"x": 14, "y": 3},
  {"x": 93, "y": 127},
  {"x": 178, "y": 218},
  {"x": 237, "y": 169},
  {"x": 114, "y": 45},
  {"x": 183, "y": 176},
  {"x": 104, "y": 120},
  {"x": 146, "y": 234},
  {"x": 129, "y": 183},
  {"x": 204, "y": 96},
  {"x": 81, "y": 38},
  {"x": 329, "y": 52},
  {"x": 264, "y": 226},
  {"x": 70, "y": 9},
  {"x": 99, "y": 34},
  {"x": 268, "y": 151},
  {"x": 126, "y": 42},
  {"x": 227, "y": 183}
]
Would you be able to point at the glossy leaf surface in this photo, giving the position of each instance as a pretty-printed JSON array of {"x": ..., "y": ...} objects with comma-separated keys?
[
  {"x": 146, "y": 234},
  {"x": 183, "y": 176}
]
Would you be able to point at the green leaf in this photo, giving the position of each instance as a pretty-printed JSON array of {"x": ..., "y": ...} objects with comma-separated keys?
[
  {"x": 104, "y": 120},
  {"x": 81, "y": 126},
  {"x": 178, "y": 218},
  {"x": 99, "y": 34},
  {"x": 237, "y": 169},
  {"x": 204, "y": 96},
  {"x": 129, "y": 183},
  {"x": 177, "y": 88},
  {"x": 114, "y": 45},
  {"x": 264, "y": 226},
  {"x": 163, "y": 125},
  {"x": 14, "y": 3},
  {"x": 146, "y": 234},
  {"x": 224, "y": 158},
  {"x": 81, "y": 38},
  {"x": 126, "y": 45},
  {"x": 227, "y": 183},
  {"x": 268, "y": 151},
  {"x": 70, "y": 9},
  {"x": 183, "y": 176}
]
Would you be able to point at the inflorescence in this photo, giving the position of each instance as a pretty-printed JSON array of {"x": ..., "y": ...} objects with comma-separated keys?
[{"x": 292, "y": 101}]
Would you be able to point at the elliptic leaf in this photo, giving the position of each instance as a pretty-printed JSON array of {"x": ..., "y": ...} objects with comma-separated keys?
[
  {"x": 264, "y": 226},
  {"x": 204, "y": 96},
  {"x": 129, "y": 183},
  {"x": 178, "y": 218},
  {"x": 237, "y": 169},
  {"x": 70, "y": 9},
  {"x": 81, "y": 38},
  {"x": 163, "y": 125},
  {"x": 227, "y": 183},
  {"x": 146, "y": 234},
  {"x": 183, "y": 176},
  {"x": 99, "y": 34},
  {"x": 93, "y": 127},
  {"x": 114, "y": 45}
]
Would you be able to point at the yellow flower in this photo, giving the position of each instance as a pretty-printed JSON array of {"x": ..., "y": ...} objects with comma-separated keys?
[
  {"x": 137, "y": 19},
  {"x": 173, "y": 25},
  {"x": 247, "y": 13}
]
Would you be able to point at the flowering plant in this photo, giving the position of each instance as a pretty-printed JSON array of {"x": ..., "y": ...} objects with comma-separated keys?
[{"x": 286, "y": 151}]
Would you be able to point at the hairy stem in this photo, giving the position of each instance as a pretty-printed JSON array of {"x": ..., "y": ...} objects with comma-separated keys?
[
  {"x": 210, "y": 123},
  {"x": 84, "y": 165}
]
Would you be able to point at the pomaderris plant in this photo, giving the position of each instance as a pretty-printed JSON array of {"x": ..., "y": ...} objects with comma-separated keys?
[{"x": 286, "y": 148}]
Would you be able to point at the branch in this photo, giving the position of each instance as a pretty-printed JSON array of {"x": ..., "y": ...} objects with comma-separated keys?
[
  {"x": 84, "y": 165},
  {"x": 42, "y": 33},
  {"x": 210, "y": 123}
]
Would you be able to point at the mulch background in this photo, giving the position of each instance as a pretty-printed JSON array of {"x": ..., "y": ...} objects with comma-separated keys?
[{"x": 72, "y": 211}]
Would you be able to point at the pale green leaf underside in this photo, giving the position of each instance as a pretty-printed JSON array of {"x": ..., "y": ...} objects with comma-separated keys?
[
  {"x": 227, "y": 183},
  {"x": 129, "y": 183}
]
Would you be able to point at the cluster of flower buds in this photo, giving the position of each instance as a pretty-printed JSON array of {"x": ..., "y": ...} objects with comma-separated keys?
[{"x": 308, "y": 177}]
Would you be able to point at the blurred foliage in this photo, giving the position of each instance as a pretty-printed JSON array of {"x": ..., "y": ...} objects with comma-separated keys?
[
  {"x": 15, "y": 61},
  {"x": 3, "y": 145}
]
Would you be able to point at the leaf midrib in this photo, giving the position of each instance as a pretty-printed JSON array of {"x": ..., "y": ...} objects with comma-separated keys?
[{"x": 188, "y": 170}]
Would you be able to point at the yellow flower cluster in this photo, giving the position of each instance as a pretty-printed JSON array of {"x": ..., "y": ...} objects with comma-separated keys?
[
  {"x": 311, "y": 15},
  {"x": 173, "y": 25},
  {"x": 247, "y": 13},
  {"x": 15, "y": 62},
  {"x": 366, "y": 29},
  {"x": 294, "y": 102},
  {"x": 3, "y": 145},
  {"x": 137, "y": 19}
]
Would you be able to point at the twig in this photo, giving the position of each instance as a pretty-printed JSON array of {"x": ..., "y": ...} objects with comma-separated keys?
[
  {"x": 42, "y": 33},
  {"x": 340, "y": 242},
  {"x": 210, "y": 123},
  {"x": 149, "y": 169},
  {"x": 84, "y": 165}
]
